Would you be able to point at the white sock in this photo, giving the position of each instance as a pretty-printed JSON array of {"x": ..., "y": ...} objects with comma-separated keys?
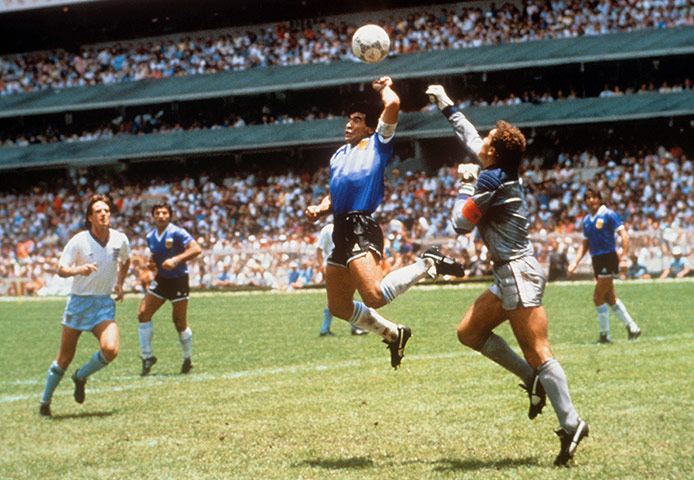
[
  {"x": 400, "y": 280},
  {"x": 368, "y": 319},
  {"x": 621, "y": 311},
  {"x": 146, "y": 331},
  {"x": 186, "y": 339},
  {"x": 604, "y": 318}
]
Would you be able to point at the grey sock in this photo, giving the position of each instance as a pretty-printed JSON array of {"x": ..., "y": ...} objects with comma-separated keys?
[
  {"x": 496, "y": 349},
  {"x": 553, "y": 379}
]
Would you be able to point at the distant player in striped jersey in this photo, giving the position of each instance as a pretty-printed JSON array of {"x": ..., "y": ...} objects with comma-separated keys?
[
  {"x": 356, "y": 189},
  {"x": 171, "y": 248},
  {"x": 98, "y": 258},
  {"x": 599, "y": 229},
  {"x": 493, "y": 202}
]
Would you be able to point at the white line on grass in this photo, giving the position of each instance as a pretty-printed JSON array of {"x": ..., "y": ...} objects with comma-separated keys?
[{"x": 152, "y": 381}]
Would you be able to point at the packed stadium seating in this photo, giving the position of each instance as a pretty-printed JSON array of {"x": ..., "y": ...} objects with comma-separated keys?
[{"x": 242, "y": 190}]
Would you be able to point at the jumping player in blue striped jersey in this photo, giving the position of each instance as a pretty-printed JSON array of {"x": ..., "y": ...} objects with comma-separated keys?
[
  {"x": 493, "y": 202},
  {"x": 356, "y": 189},
  {"x": 599, "y": 229},
  {"x": 171, "y": 247}
]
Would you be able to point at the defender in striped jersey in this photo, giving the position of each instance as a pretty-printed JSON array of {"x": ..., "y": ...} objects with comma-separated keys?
[{"x": 493, "y": 202}]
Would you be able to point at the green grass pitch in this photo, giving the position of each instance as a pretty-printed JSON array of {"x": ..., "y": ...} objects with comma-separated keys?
[{"x": 270, "y": 399}]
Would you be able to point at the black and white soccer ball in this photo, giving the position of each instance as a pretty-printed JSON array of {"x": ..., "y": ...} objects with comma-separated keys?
[{"x": 370, "y": 43}]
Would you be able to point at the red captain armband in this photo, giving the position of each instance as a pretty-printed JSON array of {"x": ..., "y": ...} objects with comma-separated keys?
[{"x": 471, "y": 212}]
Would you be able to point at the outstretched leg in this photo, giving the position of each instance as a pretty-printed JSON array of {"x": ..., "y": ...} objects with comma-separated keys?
[
  {"x": 341, "y": 284},
  {"x": 476, "y": 331}
]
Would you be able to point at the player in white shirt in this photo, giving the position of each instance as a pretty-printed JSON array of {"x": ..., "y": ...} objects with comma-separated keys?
[{"x": 98, "y": 258}]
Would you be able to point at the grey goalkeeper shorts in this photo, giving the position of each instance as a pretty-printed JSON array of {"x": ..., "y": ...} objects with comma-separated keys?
[{"x": 519, "y": 283}]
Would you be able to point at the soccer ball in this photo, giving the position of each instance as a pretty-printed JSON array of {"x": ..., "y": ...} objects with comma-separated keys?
[{"x": 370, "y": 43}]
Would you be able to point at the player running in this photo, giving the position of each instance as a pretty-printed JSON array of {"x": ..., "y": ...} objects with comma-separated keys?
[
  {"x": 493, "y": 202},
  {"x": 599, "y": 228},
  {"x": 356, "y": 189},
  {"x": 171, "y": 248}
]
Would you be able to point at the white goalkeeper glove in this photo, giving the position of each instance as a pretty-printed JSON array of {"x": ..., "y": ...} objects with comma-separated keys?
[
  {"x": 467, "y": 177},
  {"x": 437, "y": 96}
]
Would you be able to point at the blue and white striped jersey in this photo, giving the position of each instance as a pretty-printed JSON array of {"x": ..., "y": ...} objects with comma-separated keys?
[
  {"x": 356, "y": 174},
  {"x": 600, "y": 231},
  {"x": 171, "y": 242}
]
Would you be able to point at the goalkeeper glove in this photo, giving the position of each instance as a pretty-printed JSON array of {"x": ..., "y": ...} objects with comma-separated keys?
[
  {"x": 467, "y": 177},
  {"x": 437, "y": 96}
]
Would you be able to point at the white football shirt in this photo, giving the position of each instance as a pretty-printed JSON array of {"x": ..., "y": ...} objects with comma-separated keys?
[
  {"x": 325, "y": 241},
  {"x": 83, "y": 248}
]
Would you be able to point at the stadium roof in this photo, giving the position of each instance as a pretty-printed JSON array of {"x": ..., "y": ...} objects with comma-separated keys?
[
  {"x": 639, "y": 44},
  {"x": 325, "y": 132}
]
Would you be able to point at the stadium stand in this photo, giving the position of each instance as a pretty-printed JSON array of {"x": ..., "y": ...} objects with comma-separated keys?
[
  {"x": 252, "y": 221},
  {"x": 242, "y": 190}
]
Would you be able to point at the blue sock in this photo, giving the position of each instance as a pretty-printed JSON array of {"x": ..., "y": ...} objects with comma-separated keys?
[
  {"x": 327, "y": 320},
  {"x": 55, "y": 375},
  {"x": 96, "y": 363}
]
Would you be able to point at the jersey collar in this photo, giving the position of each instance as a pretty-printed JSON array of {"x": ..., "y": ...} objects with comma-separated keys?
[
  {"x": 97, "y": 240},
  {"x": 602, "y": 210},
  {"x": 156, "y": 233}
]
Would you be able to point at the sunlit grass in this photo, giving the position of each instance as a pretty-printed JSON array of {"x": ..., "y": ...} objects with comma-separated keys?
[{"x": 269, "y": 398}]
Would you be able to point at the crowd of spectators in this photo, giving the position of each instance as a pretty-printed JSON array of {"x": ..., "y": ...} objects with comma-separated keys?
[
  {"x": 253, "y": 231},
  {"x": 157, "y": 122},
  {"x": 323, "y": 41}
]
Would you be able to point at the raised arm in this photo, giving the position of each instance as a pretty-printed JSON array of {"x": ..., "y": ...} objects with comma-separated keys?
[
  {"x": 464, "y": 130},
  {"x": 391, "y": 101}
]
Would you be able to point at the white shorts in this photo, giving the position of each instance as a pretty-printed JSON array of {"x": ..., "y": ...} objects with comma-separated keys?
[
  {"x": 519, "y": 283},
  {"x": 84, "y": 312}
]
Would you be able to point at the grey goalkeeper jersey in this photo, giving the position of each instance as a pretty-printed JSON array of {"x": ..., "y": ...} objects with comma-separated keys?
[{"x": 497, "y": 208}]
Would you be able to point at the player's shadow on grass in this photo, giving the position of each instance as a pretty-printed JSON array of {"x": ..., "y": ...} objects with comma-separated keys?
[
  {"x": 452, "y": 465},
  {"x": 339, "y": 463},
  {"x": 69, "y": 416}
]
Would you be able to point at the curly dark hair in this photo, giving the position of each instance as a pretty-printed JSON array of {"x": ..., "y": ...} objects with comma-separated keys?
[
  {"x": 371, "y": 111},
  {"x": 509, "y": 143}
]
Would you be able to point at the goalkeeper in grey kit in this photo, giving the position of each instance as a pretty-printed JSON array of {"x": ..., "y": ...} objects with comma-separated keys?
[{"x": 492, "y": 200}]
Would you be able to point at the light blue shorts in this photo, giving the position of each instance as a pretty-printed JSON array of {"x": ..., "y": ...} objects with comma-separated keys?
[{"x": 84, "y": 312}]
